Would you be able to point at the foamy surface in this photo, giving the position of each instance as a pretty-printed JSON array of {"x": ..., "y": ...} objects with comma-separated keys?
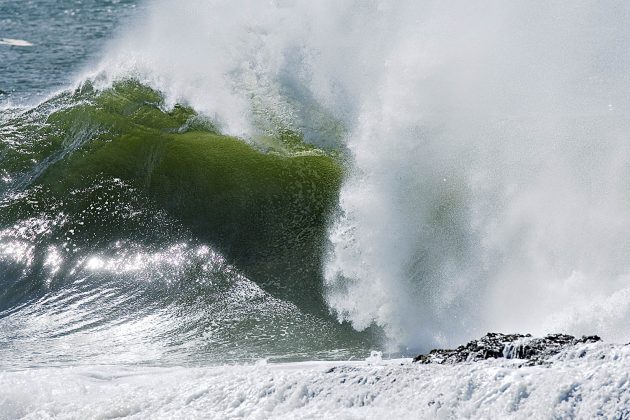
[{"x": 586, "y": 382}]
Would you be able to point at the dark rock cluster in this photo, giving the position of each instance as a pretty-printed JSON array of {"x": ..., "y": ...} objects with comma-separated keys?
[{"x": 509, "y": 346}]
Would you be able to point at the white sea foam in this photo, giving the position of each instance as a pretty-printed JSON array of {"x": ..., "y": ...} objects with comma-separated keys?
[
  {"x": 587, "y": 382},
  {"x": 488, "y": 187},
  {"x": 15, "y": 42}
]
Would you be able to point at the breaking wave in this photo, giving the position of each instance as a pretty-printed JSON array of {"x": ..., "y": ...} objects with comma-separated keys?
[{"x": 427, "y": 169}]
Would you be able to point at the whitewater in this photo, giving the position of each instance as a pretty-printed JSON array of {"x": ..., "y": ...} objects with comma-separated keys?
[
  {"x": 596, "y": 386},
  {"x": 219, "y": 209}
]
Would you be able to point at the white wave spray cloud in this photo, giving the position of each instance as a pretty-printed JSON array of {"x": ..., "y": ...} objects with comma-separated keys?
[{"x": 489, "y": 183}]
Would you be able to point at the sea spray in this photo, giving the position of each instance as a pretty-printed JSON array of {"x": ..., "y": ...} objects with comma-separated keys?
[{"x": 489, "y": 189}]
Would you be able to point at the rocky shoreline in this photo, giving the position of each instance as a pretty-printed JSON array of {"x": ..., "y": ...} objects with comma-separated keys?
[{"x": 532, "y": 350}]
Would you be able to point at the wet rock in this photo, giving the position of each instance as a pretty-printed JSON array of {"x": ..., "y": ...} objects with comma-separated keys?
[{"x": 509, "y": 346}]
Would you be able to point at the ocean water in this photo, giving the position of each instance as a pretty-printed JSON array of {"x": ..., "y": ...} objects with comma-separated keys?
[
  {"x": 248, "y": 198},
  {"x": 67, "y": 35}
]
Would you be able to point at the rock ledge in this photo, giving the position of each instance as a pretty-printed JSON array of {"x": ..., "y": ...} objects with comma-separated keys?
[{"x": 509, "y": 346}]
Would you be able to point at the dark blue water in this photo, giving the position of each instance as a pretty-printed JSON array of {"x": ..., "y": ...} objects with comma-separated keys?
[{"x": 66, "y": 35}]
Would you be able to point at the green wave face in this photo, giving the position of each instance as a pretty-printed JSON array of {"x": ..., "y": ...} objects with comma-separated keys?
[{"x": 266, "y": 212}]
